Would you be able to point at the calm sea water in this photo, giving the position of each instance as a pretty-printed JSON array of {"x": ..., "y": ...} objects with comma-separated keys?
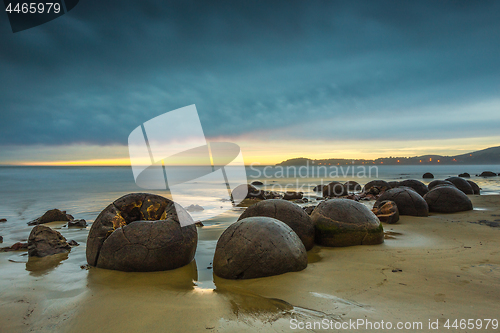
[{"x": 27, "y": 192}]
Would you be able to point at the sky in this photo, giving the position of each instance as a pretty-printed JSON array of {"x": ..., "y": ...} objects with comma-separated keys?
[{"x": 282, "y": 79}]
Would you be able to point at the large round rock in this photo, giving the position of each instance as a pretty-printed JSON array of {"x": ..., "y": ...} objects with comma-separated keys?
[
  {"x": 142, "y": 232},
  {"x": 289, "y": 213},
  {"x": 257, "y": 247},
  {"x": 353, "y": 186},
  {"x": 428, "y": 175},
  {"x": 344, "y": 222},
  {"x": 407, "y": 200},
  {"x": 435, "y": 183},
  {"x": 447, "y": 199},
  {"x": 475, "y": 188},
  {"x": 335, "y": 189},
  {"x": 417, "y": 185},
  {"x": 461, "y": 184},
  {"x": 382, "y": 184}
]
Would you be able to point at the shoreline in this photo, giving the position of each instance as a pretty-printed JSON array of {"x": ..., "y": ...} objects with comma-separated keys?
[{"x": 450, "y": 268}]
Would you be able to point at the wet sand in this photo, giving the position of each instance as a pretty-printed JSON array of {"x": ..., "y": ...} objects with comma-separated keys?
[{"x": 440, "y": 267}]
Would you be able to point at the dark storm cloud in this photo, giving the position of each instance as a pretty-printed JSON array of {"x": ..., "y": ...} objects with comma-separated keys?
[{"x": 95, "y": 74}]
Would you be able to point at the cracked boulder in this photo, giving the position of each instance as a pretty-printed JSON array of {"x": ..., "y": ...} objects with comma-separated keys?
[
  {"x": 142, "y": 232},
  {"x": 386, "y": 211},
  {"x": 44, "y": 241},
  {"x": 289, "y": 213},
  {"x": 344, "y": 222},
  {"x": 257, "y": 247},
  {"x": 407, "y": 200},
  {"x": 447, "y": 199}
]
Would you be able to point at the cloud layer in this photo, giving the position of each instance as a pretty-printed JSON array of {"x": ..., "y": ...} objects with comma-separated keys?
[{"x": 301, "y": 69}]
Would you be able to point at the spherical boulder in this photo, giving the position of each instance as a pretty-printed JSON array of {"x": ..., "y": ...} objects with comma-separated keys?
[
  {"x": 289, "y": 213},
  {"x": 382, "y": 184},
  {"x": 435, "y": 183},
  {"x": 475, "y": 188},
  {"x": 407, "y": 200},
  {"x": 447, "y": 199},
  {"x": 418, "y": 186},
  {"x": 428, "y": 175},
  {"x": 246, "y": 191},
  {"x": 257, "y": 182},
  {"x": 464, "y": 175},
  {"x": 142, "y": 232},
  {"x": 257, "y": 247},
  {"x": 461, "y": 184},
  {"x": 386, "y": 211},
  {"x": 335, "y": 189},
  {"x": 318, "y": 188},
  {"x": 344, "y": 222},
  {"x": 353, "y": 186}
]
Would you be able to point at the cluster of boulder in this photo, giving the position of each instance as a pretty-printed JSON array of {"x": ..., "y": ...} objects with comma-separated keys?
[{"x": 271, "y": 237}]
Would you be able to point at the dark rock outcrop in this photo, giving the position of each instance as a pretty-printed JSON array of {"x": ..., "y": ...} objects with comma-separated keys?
[
  {"x": 44, "y": 241},
  {"x": 447, "y": 199},
  {"x": 142, "y": 232},
  {"x": 461, "y": 184},
  {"x": 77, "y": 224},
  {"x": 335, "y": 189},
  {"x": 344, "y": 222},
  {"x": 257, "y": 247},
  {"x": 16, "y": 247},
  {"x": 464, "y": 175},
  {"x": 386, "y": 211},
  {"x": 3, "y": 220},
  {"x": 257, "y": 182},
  {"x": 487, "y": 174},
  {"x": 290, "y": 214},
  {"x": 428, "y": 175},
  {"x": 418, "y": 186},
  {"x": 53, "y": 215},
  {"x": 292, "y": 195},
  {"x": 407, "y": 200}
]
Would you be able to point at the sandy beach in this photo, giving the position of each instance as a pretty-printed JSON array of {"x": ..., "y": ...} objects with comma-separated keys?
[{"x": 446, "y": 266}]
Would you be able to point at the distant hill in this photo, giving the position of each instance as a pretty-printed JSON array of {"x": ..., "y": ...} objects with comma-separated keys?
[{"x": 485, "y": 156}]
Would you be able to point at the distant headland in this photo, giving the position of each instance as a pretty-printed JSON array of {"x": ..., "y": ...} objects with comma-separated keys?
[{"x": 485, "y": 156}]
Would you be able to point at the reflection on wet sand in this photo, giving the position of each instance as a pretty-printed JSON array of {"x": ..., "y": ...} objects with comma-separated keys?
[{"x": 41, "y": 266}]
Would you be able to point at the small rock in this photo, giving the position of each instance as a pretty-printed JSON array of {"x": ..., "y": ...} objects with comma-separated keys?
[
  {"x": 194, "y": 208},
  {"x": 199, "y": 224},
  {"x": 86, "y": 267},
  {"x": 292, "y": 195},
  {"x": 1, "y": 239},
  {"x": 16, "y": 247},
  {"x": 73, "y": 243},
  {"x": 397, "y": 270},
  {"x": 44, "y": 241},
  {"x": 257, "y": 182},
  {"x": 51, "y": 216},
  {"x": 428, "y": 175},
  {"x": 77, "y": 223},
  {"x": 3, "y": 220},
  {"x": 320, "y": 198},
  {"x": 464, "y": 175}
]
